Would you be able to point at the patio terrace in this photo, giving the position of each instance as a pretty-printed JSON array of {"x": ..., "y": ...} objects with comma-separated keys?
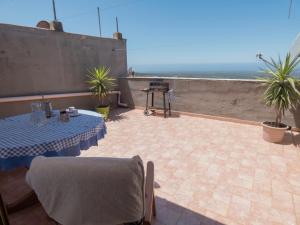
[{"x": 208, "y": 171}]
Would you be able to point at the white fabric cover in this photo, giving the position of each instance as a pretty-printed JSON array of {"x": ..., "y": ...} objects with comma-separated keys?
[{"x": 88, "y": 191}]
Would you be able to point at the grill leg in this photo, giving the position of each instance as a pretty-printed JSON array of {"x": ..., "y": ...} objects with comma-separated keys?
[
  {"x": 147, "y": 101},
  {"x": 152, "y": 102},
  {"x": 146, "y": 112},
  {"x": 164, "y": 97}
]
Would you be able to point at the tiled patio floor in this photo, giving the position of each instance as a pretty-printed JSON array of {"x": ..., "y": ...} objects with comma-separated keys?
[{"x": 208, "y": 171}]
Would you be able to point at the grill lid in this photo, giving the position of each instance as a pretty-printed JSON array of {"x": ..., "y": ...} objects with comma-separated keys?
[{"x": 159, "y": 85}]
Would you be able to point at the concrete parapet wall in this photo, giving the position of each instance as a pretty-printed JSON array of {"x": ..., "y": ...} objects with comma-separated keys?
[
  {"x": 240, "y": 99},
  {"x": 36, "y": 61}
]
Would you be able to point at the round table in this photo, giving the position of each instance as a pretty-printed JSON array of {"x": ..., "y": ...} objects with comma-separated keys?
[{"x": 21, "y": 140}]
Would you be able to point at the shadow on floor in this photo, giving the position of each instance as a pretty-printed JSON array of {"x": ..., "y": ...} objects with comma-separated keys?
[
  {"x": 295, "y": 138},
  {"x": 116, "y": 114},
  {"x": 160, "y": 113},
  {"x": 291, "y": 138},
  {"x": 171, "y": 213},
  {"x": 156, "y": 185}
]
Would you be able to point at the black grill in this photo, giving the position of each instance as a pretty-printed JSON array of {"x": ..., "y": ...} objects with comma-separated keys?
[{"x": 161, "y": 87}]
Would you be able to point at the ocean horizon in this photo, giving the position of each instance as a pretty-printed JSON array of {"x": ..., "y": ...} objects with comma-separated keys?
[{"x": 212, "y": 70}]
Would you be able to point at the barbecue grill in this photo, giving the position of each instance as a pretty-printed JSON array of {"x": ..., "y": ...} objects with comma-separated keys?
[{"x": 159, "y": 87}]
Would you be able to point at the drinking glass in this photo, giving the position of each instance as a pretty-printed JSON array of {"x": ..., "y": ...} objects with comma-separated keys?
[{"x": 37, "y": 114}]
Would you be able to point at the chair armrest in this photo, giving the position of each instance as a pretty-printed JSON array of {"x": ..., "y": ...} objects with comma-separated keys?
[{"x": 149, "y": 194}]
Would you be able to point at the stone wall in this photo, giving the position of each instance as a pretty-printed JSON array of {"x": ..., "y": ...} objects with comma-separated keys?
[
  {"x": 36, "y": 61},
  {"x": 239, "y": 99}
]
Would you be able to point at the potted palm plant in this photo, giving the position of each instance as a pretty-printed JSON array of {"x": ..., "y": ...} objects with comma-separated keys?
[
  {"x": 282, "y": 94},
  {"x": 101, "y": 84}
]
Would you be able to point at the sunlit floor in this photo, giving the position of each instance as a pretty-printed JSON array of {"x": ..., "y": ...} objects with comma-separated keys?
[{"x": 208, "y": 171}]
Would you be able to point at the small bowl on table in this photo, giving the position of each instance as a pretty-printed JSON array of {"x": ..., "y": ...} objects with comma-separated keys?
[
  {"x": 72, "y": 111},
  {"x": 64, "y": 116}
]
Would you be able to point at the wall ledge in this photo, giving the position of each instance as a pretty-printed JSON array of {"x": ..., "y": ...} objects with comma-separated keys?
[
  {"x": 37, "y": 30},
  {"x": 188, "y": 78},
  {"x": 212, "y": 117}
]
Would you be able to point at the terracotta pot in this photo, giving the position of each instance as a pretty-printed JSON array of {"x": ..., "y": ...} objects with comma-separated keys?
[{"x": 273, "y": 134}]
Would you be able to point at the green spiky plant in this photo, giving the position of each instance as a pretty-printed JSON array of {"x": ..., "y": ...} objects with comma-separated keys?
[
  {"x": 282, "y": 89},
  {"x": 101, "y": 82}
]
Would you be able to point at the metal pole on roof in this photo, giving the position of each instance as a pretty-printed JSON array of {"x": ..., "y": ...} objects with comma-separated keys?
[
  {"x": 290, "y": 8},
  {"x": 99, "y": 21},
  {"x": 117, "y": 24},
  {"x": 54, "y": 10}
]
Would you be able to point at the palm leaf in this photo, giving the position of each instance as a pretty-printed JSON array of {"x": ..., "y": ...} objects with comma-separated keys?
[
  {"x": 100, "y": 82},
  {"x": 282, "y": 89}
]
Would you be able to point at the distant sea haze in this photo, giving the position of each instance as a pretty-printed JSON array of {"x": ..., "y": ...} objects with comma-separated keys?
[{"x": 221, "y": 71}]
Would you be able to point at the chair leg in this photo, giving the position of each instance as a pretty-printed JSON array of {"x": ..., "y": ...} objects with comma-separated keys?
[
  {"x": 169, "y": 109},
  {"x": 154, "y": 206},
  {"x": 149, "y": 193}
]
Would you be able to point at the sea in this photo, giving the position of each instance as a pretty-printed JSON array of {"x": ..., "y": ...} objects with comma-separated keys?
[{"x": 212, "y": 70}]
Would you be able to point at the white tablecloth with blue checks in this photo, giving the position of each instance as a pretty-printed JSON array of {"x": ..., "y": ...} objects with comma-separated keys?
[{"x": 21, "y": 140}]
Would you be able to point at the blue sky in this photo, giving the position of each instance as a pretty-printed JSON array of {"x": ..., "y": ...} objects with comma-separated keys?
[{"x": 174, "y": 31}]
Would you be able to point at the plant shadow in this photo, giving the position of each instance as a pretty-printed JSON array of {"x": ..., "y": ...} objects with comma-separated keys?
[{"x": 116, "y": 114}]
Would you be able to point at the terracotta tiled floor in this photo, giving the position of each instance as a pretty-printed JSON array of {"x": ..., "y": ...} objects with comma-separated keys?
[{"x": 208, "y": 171}]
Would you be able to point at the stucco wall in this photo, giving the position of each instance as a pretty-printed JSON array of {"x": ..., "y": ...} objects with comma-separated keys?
[
  {"x": 37, "y": 61},
  {"x": 240, "y": 99}
]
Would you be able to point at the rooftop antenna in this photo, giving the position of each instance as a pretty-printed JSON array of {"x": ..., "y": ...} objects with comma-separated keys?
[
  {"x": 99, "y": 21},
  {"x": 55, "y": 24},
  {"x": 117, "y": 24},
  {"x": 290, "y": 8},
  {"x": 117, "y": 35},
  {"x": 54, "y": 10}
]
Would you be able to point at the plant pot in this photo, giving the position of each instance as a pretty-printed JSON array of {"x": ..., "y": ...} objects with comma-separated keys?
[
  {"x": 103, "y": 110},
  {"x": 273, "y": 134}
]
